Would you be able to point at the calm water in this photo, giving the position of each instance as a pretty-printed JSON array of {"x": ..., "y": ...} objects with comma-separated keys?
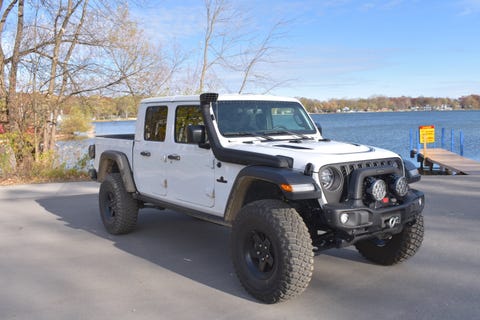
[
  {"x": 389, "y": 130},
  {"x": 114, "y": 127}
]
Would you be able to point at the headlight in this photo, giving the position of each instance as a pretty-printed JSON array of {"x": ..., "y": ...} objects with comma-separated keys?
[
  {"x": 330, "y": 178},
  {"x": 326, "y": 177},
  {"x": 376, "y": 188}
]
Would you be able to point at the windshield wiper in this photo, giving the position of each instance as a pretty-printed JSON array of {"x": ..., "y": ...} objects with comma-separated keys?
[
  {"x": 302, "y": 136},
  {"x": 247, "y": 134}
]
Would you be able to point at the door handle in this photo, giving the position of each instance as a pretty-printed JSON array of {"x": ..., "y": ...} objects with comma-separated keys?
[
  {"x": 145, "y": 153},
  {"x": 173, "y": 157}
]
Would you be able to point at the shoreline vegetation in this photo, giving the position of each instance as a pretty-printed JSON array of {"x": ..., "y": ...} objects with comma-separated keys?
[
  {"x": 391, "y": 104},
  {"x": 45, "y": 169}
]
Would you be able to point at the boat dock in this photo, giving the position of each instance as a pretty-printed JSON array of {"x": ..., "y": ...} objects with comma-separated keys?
[{"x": 447, "y": 161}]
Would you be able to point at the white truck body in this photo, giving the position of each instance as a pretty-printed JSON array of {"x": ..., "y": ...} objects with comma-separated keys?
[
  {"x": 260, "y": 165},
  {"x": 190, "y": 181}
]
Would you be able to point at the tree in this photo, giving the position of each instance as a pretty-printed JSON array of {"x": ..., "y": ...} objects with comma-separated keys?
[
  {"x": 470, "y": 102},
  {"x": 215, "y": 16},
  {"x": 12, "y": 107},
  {"x": 58, "y": 53},
  {"x": 75, "y": 121},
  {"x": 256, "y": 55},
  {"x": 230, "y": 43},
  {"x": 3, "y": 85},
  {"x": 144, "y": 67}
]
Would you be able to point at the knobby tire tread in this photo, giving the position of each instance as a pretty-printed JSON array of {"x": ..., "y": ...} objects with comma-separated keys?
[
  {"x": 126, "y": 208},
  {"x": 401, "y": 247},
  {"x": 294, "y": 244}
]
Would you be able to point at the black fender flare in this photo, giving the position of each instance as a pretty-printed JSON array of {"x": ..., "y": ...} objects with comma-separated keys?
[
  {"x": 120, "y": 159},
  {"x": 276, "y": 176}
]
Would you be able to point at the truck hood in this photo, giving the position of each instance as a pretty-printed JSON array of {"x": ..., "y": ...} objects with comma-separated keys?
[{"x": 318, "y": 153}]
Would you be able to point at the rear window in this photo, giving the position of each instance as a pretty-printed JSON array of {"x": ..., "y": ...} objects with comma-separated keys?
[{"x": 155, "y": 123}]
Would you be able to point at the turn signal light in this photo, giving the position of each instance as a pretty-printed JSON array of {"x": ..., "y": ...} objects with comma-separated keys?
[{"x": 297, "y": 187}]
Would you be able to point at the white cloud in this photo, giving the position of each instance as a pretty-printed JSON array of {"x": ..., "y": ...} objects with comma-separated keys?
[{"x": 469, "y": 7}]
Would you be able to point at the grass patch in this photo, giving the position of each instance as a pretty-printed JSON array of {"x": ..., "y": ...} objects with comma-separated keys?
[{"x": 42, "y": 170}]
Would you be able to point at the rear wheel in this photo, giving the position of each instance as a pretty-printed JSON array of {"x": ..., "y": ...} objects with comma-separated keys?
[
  {"x": 395, "y": 249},
  {"x": 118, "y": 209},
  {"x": 272, "y": 251}
]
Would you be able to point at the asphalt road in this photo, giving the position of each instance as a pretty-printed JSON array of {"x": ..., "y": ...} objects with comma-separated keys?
[{"x": 57, "y": 262}]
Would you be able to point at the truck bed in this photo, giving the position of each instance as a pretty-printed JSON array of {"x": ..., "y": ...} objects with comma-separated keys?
[{"x": 118, "y": 142}]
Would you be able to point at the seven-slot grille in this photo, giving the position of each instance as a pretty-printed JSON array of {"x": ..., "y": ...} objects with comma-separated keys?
[{"x": 346, "y": 170}]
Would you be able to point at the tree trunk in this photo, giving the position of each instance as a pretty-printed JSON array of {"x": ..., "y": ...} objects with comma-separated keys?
[
  {"x": 13, "y": 106},
  {"x": 59, "y": 32},
  {"x": 4, "y": 114}
]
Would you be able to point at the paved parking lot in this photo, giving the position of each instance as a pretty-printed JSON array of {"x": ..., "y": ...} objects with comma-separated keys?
[{"x": 57, "y": 262}]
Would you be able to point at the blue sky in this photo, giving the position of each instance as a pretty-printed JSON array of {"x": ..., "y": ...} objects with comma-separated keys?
[{"x": 350, "y": 48}]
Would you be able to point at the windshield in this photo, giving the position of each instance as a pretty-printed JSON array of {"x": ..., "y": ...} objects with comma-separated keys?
[{"x": 262, "y": 118}]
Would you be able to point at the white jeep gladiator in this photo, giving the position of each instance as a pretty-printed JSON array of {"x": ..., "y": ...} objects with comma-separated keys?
[{"x": 260, "y": 165}]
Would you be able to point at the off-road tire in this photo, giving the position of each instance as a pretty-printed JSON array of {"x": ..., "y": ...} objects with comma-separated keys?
[
  {"x": 398, "y": 248},
  {"x": 273, "y": 230},
  {"x": 118, "y": 209}
]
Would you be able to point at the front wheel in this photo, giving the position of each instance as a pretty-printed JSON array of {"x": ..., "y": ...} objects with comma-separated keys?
[
  {"x": 118, "y": 209},
  {"x": 395, "y": 249},
  {"x": 272, "y": 251}
]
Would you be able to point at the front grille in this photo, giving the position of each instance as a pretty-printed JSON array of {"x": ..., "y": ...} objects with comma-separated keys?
[{"x": 347, "y": 169}]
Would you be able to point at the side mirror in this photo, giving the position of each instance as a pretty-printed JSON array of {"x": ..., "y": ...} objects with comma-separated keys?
[
  {"x": 196, "y": 134},
  {"x": 411, "y": 172},
  {"x": 319, "y": 127}
]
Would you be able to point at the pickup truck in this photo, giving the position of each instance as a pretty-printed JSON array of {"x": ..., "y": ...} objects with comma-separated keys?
[{"x": 261, "y": 166}]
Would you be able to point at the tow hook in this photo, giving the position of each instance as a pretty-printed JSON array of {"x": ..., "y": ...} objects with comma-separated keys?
[{"x": 393, "y": 221}]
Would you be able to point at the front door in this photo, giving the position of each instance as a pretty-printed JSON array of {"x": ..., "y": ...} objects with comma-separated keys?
[{"x": 191, "y": 169}]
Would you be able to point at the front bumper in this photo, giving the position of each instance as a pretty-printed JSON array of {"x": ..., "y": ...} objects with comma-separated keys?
[{"x": 358, "y": 221}]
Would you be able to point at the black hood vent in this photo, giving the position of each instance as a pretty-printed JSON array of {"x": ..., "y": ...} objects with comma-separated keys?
[{"x": 289, "y": 146}]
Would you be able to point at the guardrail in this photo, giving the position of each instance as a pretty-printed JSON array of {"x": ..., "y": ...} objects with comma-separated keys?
[{"x": 415, "y": 141}]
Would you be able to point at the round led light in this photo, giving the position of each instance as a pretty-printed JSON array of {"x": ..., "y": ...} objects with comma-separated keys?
[
  {"x": 344, "y": 218},
  {"x": 327, "y": 177},
  {"x": 377, "y": 189},
  {"x": 400, "y": 186}
]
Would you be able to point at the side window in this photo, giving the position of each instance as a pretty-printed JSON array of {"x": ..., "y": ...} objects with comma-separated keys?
[
  {"x": 185, "y": 116},
  {"x": 155, "y": 123}
]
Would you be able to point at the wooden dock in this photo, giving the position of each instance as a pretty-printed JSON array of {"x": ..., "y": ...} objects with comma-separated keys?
[{"x": 447, "y": 161}]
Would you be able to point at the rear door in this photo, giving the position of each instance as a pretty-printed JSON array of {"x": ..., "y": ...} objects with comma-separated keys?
[{"x": 149, "y": 155}]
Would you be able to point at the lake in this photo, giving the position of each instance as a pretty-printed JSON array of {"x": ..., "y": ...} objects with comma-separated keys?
[{"x": 389, "y": 130}]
